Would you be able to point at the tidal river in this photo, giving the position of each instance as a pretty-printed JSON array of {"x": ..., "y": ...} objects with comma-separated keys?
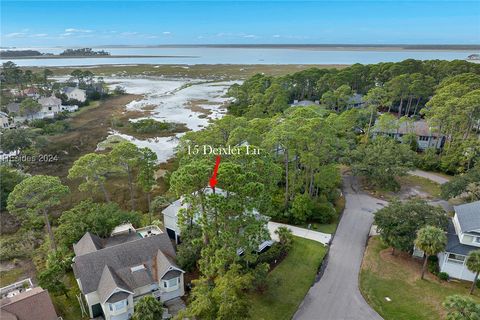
[{"x": 192, "y": 102}]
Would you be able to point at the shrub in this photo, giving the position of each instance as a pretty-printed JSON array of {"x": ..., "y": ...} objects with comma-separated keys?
[
  {"x": 433, "y": 265},
  {"x": 428, "y": 160},
  {"x": 302, "y": 208},
  {"x": 324, "y": 213},
  {"x": 443, "y": 276},
  {"x": 286, "y": 238},
  {"x": 151, "y": 126},
  {"x": 272, "y": 254}
]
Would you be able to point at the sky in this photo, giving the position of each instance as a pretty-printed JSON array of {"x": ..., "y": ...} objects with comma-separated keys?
[{"x": 97, "y": 23}]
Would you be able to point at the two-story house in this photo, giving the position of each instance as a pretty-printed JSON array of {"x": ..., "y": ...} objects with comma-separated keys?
[
  {"x": 463, "y": 237},
  {"x": 170, "y": 219},
  {"x": 426, "y": 136},
  {"x": 115, "y": 272},
  {"x": 74, "y": 93}
]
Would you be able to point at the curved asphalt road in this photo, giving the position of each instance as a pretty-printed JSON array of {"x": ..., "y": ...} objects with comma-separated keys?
[{"x": 336, "y": 296}]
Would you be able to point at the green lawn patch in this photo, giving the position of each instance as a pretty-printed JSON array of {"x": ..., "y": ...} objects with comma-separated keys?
[
  {"x": 289, "y": 282},
  {"x": 68, "y": 307},
  {"x": 398, "y": 278},
  {"x": 10, "y": 276}
]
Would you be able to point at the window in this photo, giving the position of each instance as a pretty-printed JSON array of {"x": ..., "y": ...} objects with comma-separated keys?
[
  {"x": 456, "y": 258},
  {"x": 477, "y": 239},
  {"x": 171, "y": 284},
  {"x": 118, "y": 305}
]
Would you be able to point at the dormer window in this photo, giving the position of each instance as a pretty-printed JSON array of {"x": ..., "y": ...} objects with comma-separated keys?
[{"x": 137, "y": 268}]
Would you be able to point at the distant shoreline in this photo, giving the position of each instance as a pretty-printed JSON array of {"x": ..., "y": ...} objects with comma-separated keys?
[
  {"x": 91, "y": 57},
  {"x": 324, "y": 47}
]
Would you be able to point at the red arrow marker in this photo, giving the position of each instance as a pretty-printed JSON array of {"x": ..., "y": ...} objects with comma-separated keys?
[{"x": 213, "y": 179}]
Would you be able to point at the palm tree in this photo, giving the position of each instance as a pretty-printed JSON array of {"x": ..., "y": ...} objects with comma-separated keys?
[
  {"x": 473, "y": 264},
  {"x": 431, "y": 240}
]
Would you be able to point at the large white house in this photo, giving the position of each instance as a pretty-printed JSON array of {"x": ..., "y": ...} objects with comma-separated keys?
[
  {"x": 74, "y": 93},
  {"x": 114, "y": 273},
  {"x": 170, "y": 219},
  {"x": 463, "y": 237},
  {"x": 50, "y": 106}
]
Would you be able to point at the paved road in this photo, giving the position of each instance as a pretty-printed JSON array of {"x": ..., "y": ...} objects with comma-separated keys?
[
  {"x": 430, "y": 175},
  {"x": 321, "y": 237},
  {"x": 336, "y": 296}
]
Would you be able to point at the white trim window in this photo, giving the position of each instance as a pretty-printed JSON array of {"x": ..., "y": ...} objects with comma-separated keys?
[
  {"x": 171, "y": 284},
  {"x": 118, "y": 306},
  {"x": 456, "y": 258}
]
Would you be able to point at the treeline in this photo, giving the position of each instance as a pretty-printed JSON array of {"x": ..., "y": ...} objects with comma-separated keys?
[
  {"x": 84, "y": 52},
  {"x": 20, "y": 53},
  {"x": 404, "y": 86},
  {"x": 446, "y": 93}
]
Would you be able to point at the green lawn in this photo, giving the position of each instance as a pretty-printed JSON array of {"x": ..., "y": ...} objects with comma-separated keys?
[
  {"x": 11, "y": 276},
  {"x": 289, "y": 282},
  {"x": 398, "y": 278},
  {"x": 68, "y": 307}
]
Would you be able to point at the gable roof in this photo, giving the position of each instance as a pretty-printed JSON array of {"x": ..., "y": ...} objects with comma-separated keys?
[
  {"x": 109, "y": 282},
  {"x": 49, "y": 101},
  {"x": 468, "y": 216},
  {"x": 29, "y": 305},
  {"x": 89, "y": 267},
  {"x": 88, "y": 243}
]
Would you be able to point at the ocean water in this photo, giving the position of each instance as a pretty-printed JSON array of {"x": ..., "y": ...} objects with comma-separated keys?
[{"x": 210, "y": 55}]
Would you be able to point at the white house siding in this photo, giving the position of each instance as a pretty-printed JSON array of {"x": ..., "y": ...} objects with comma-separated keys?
[
  {"x": 91, "y": 299},
  {"x": 165, "y": 296},
  {"x": 454, "y": 269},
  {"x": 172, "y": 224}
]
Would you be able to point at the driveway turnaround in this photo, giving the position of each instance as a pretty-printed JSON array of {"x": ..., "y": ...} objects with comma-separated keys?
[
  {"x": 337, "y": 296},
  {"x": 321, "y": 237}
]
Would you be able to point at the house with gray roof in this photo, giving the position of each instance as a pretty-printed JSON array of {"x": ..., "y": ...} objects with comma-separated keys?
[
  {"x": 427, "y": 137},
  {"x": 463, "y": 236},
  {"x": 114, "y": 273}
]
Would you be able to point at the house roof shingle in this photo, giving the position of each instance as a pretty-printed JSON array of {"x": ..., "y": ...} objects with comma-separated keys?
[
  {"x": 29, "y": 305},
  {"x": 453, "y": 242},
  {"x": 88, "y": 243},
  {"x": 468, "y": 216},
  {"x": 121, "y": 258},
  {"x": 109, "y": 282}
]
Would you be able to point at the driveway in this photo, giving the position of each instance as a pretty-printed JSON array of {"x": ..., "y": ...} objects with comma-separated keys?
[
  {"x": 337, "y": 296},
  {"x": 430, "y": 176},
  {"x": 321, "y": 237}
]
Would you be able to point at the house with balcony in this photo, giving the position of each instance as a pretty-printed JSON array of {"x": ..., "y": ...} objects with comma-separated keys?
[
  {"x": 114, "y": 273},
  {"x": 171, "y": 216},
  {"x": 463, "y": 237}
]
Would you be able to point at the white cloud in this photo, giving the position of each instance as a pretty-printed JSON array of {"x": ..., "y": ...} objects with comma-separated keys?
[
  {"x": 276, "y": 36},
  {"x": 166, "y": 32},
  {"x": 66, "y": 34},
  {"x": 128, "y": 33},
  {"x": 74, "y": 30},
  {"x": 15, "y": 35},
  {"x": 39, "y": 35},
  {"x": 250, "y": 36}
]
